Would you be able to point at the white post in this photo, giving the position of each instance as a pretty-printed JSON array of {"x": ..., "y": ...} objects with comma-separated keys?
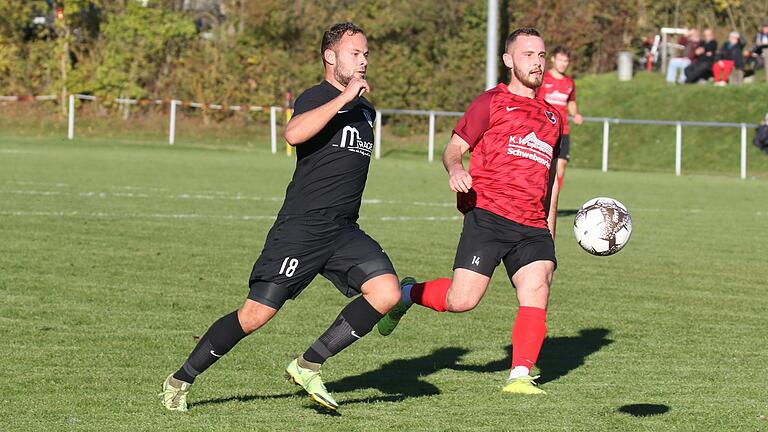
[
  {"x": 743, "y": 151},
  {"x": 377, "y": 135},
  {"x": 664, "y": 60},
  {"x": 172, "y": 125},
  {"x": 273, "y": 127},
  {"x": 431, "y": 136},
  {"x": 491, "y": 44},
  {"x": 678, "y": 149},
  {"x": 605, "y": 145},
  {"x": 71, "y": 129}
]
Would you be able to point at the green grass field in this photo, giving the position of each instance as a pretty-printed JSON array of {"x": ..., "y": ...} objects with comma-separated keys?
[{"x": 113, "y": 257}]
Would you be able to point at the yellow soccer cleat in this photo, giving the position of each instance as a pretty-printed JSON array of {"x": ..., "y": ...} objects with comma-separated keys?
[
  {"x": 311, "y": 382},
  {"x": 523, "y": 385},
  {"x": 174, "y": 395}
]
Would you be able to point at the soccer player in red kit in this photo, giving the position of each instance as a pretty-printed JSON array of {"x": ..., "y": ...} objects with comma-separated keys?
[
  {"x": 509, "y": 200},
  {"x": 559, "y": 90}
]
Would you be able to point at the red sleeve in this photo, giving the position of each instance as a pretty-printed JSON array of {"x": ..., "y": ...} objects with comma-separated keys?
[
  {"x": 475, "y": 121},
  {"x": 572, "y": 96}
]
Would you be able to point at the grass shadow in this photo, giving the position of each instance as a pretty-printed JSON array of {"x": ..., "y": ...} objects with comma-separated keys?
[
  {"x": 397, "y": 380},
  {"x": 644, "y": 410},
  {"x": 567, "y": 212},
  {"x": 559, "y": 355},
  {"x": 246, "y": 398},
  {"x": 400, "y": 379}
]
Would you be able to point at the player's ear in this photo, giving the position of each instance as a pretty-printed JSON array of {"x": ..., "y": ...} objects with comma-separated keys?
[
  {"x": 329, "y": 56},
  {"x": 508, "y": 60}
]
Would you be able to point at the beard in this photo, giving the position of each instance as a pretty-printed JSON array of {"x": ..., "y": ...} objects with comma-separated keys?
[
  {"x": 532, "y": 82},
  {"x": 341, "y": 76}
]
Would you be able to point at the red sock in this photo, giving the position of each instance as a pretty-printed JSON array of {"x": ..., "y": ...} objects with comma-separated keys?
[
  {"x": 528, "y": 335},
  {"x": 431, "y": 294}
]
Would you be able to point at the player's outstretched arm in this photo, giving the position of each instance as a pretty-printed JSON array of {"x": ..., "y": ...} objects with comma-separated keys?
[
  {"x": 453, "y": 160},
  {"x": 573, "y": 110},
  {"x": 306, "y": 125}
]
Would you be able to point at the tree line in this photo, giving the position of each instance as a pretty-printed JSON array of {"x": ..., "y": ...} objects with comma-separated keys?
[{"x": 424, "y": 55}]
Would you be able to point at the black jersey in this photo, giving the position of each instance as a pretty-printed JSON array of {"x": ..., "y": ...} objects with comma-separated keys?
[{"x": 332, "y": 166}]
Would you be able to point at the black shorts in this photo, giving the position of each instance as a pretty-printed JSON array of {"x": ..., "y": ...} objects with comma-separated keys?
[
  {"x": 565, "y": 147},
  {"x": 300, "y": 247},
  {"x": 488, "y": 238}
]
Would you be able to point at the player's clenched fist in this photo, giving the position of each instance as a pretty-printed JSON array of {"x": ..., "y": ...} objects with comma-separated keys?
[
  {"x": 460, "y": 180},
  {"x": 355, "y": 88}
]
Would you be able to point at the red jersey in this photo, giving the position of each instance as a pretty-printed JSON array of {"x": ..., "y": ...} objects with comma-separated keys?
[
  {"x": 558, "y": 92},
  {"x": 513, "y": 141}
]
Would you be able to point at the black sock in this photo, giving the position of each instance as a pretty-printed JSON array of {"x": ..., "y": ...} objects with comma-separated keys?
[
  {"x": 355, "y": 321},
  {"x": 221, "y": 336}
]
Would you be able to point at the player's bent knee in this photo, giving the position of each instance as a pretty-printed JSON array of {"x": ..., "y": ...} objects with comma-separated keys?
[
  {"x": 461, "y": 305},
  {"x": 384, "y": 290},
  {"x": 263, "y": 302},
  {"x": 536, "y": 295},
  {"x": 253, "y": 315},
  {"x": 466, "y": 291},
  {"x": 390, "y": 298}
]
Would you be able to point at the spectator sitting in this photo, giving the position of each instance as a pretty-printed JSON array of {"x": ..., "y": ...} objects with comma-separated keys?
[
  {"x": 682, "y": 56},
  {"x": 729, "y": 57},
  {"x": 761, "y": 136},
  {"x": 755, "y": 57},
  {"x": 701, "y": 67},
  {"x": 761, "y": 40}
]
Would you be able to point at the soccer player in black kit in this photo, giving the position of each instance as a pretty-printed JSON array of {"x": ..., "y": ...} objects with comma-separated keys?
[{"x": 316, "y": 230}]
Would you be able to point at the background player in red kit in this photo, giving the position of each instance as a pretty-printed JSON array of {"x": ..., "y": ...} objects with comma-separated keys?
[
  {"x": 509, "y": 198},
  {"x": 559, "y": 90}
]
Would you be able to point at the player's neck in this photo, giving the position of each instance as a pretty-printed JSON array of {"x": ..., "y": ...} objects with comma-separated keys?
[
  {"x": 332, "y": 80},
  {"x": 555, "y": 74},
  {"x": 518, "y": 88}
]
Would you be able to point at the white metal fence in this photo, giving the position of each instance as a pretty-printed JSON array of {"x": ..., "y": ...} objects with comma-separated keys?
[
  {"x": 678, "y": 137},
  {"x": 273, "y": 110},
  {"x": 174, "y": 103},
  {"x": 606, "y": 133}
]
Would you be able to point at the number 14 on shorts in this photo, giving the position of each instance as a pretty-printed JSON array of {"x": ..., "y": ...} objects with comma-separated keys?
[{"x": 289, "y": 266}]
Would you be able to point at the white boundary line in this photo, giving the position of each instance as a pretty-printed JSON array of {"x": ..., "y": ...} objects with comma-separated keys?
[
  {"x": 207, "y": 196},
  {"x": 239, "y": 196}
]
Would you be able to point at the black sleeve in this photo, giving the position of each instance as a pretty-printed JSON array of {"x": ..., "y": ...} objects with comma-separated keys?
[
  {"x": 761, "y": 137},
  {"x": 308, "y": 101},
  {"x": 710, "y": 47}
]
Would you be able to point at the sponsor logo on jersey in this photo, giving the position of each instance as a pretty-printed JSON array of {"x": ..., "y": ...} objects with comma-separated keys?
[
  {"x": 350, "y": 140},
  {"x": 558, "y": 98},
  {"x": 530, "y": 147}
]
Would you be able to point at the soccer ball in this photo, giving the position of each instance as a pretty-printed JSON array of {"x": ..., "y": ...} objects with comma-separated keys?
[{"x": 602, "y": 226}]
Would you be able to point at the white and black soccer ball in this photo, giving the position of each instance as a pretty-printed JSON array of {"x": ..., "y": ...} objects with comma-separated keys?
[{"x": 602, "y": 226}]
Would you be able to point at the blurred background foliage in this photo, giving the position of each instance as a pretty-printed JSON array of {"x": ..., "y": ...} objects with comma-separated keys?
[{"x": 424, "y": 55}]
